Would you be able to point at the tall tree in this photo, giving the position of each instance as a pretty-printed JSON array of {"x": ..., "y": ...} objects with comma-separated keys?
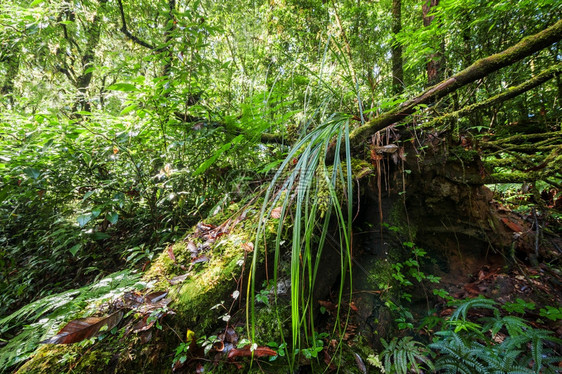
[
  {"x": 435, "y": 63},
  {"x": 396, "y": 49}
]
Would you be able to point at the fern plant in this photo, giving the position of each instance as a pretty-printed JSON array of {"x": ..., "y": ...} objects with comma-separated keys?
[
  {"x": 474, "y": 350},
  {"x": 31, "y": 324},
  {"x": 405, "y": 355}
]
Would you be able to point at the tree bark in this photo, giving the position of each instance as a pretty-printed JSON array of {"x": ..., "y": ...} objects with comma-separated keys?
[
  {"x": 83, "y": 81},
  {"x": 435, "y": 63},
  {"x": 478, "y": 70},
  {"x": 396, "y": 49}
]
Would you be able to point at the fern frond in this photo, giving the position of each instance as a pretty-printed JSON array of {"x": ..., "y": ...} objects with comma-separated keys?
[
  {"x": 465, "y": 305},
  {"x": 39, "y": 323}
]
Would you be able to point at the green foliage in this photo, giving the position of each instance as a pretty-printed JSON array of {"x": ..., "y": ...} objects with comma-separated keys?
[
  {"x": 468, "y": 347},
  {"x": 551, "y": 313},
  {"x": 405, "y": 355},
  {"x": 36, "y": 321},
  {"x": 112, "y": 144},
  {"x": 303, "y": 183},
  {"x": 519, "y": 306}
]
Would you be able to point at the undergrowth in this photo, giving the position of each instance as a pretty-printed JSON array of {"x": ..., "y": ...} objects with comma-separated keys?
[{"x": 24, "y": 329}]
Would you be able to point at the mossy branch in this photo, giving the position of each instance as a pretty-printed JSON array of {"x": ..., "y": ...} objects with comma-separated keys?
[
  {"x": 478, "y": 70},
  {"x": 523, "y": 138},
  {"x": 510, "y": 93}
]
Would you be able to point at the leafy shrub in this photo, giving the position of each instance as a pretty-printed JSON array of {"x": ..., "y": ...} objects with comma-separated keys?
[{"x": 469, "y": 347}]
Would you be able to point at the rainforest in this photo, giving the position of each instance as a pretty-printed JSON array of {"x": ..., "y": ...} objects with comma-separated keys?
[{"x": 280, "y": 186}]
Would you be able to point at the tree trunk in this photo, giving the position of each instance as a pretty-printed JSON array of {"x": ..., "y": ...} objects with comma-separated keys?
[
  {"x": 397, "y": 69},
  {"x": 435, "y": 63},
  {"x": 83, "y": 81}
]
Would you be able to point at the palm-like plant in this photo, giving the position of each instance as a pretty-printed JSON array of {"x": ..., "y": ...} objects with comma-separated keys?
[{"x": 307, "y": 187}]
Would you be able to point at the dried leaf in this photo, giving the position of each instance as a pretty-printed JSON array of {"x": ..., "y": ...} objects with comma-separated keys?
[
  {"x": 192, "y": 248},
  {"x": 155, "y": 297},
  {"x": 84, "y": 328},
  {"x": 203, "y": 228},
  {"x": 375, "y": 156},
  {"x": 133, "y": 299},
  {"x": 202, "y": 258},
  {"x": 472, "y": 289},
  {"x": 246, "y": 352},
  {"x": 328, "y": 360},
  {"x": 390, "y": 148},
  {"x": 178, "y": 279},
  {"x": 328, "y": 305},
  {"x": 512, "y": 225},
  {"x": 143, "y": 325},
  {"x": 276, "y": 213},
  {"x": 360, "y": 363},
  {"x": 248, "y": 247},
  {"x": 171, "y": 254},
  {"x": 145, "y": 336},
  {"x": 402, "y": 154}
]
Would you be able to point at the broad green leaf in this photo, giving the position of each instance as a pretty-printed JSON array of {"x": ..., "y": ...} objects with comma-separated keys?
[
  {"x": 101, "y": 236},
  {"x": 75, "y": 249},
  {"x": 128, "y": 109},
  {"x": 83, "y": 219},
  {"x": 204, "y": 166},
  {"x": 88, "y": 194},
  {"x": 4, "y": 193},
  {"x": 32, "y": 173},
  {"x": 112, "y": 217},
  {"x": 124, "y": 87}
]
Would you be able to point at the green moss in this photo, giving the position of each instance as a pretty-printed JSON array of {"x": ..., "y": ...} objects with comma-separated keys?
[
  {"x": 164, "y": 267},
  {"x": 360, "y": 168},
  {"x": 272, "y": 323},
  {"x": 463, "y": 154},
  {"x": 59, "y": 358},
  {"x": 194, "y": 299}
]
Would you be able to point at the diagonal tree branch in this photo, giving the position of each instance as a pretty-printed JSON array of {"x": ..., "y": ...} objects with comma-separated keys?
[
  {"x": 478, "y": 70},
  {"x": 126, "y": 31},
  {"x": 510, "y": 93}
]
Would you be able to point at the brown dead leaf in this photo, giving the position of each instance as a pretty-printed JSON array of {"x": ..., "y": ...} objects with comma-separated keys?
[
  {"x": 276, "y": 213},
  {"x": 472, "y": 289},
  {"x": 328, "y": 305},
  {"x": 202, "y": 258},
  {"x": 246, "y": 352},
  {"x": 328, "y": 360},
  {"x": 248, "y": 247},
  {"x": 145, "y": 336},
  {"x": 170, "y": 250},
  {"x": 84, "y": 328},
  {"x": 192, "y": 248},
  {"x": 178, "y": 279},
  {"x": 512, "y": 225},
  {"x": 155, "y": 297}
]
